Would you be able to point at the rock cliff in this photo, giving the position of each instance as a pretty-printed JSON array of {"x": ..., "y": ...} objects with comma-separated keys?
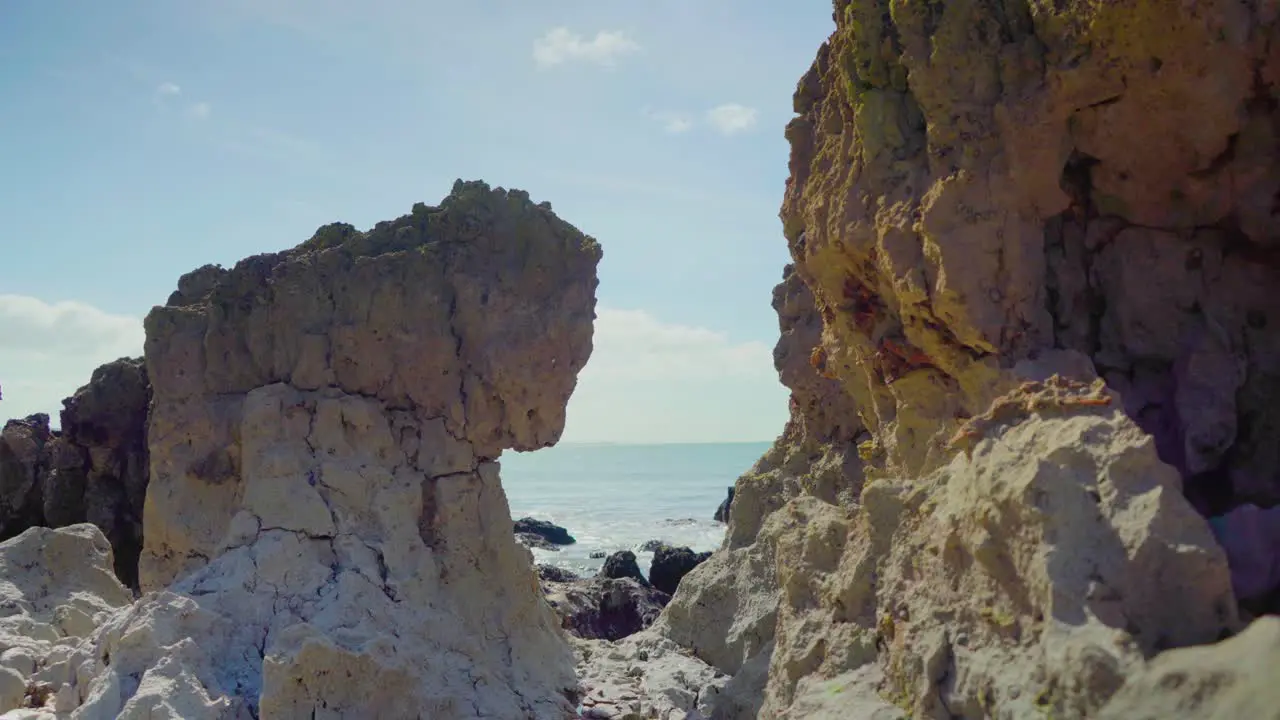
[
  {"x": 93, "y": 470},
  {"x": 326, "y": 531},
  {"x": 1028, "y": 333}
]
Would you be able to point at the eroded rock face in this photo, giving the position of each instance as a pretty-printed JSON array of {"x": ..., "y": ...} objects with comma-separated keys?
[
  {"x": 969, "y": 186},
  {"x": 603, "y": 608},
  {"x": 93, "y": 470},
  {"x": 325, "y": 523},
  {"x": 984, "y": 195}
]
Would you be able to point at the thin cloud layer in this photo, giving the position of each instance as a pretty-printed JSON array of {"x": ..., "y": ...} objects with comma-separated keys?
[
  {"x": 731, "y": 118},
  {"x": 647, "y": 381},
  {"x": 49, "y": 350},
  {"x": 652, "y": 381},
  {"x": 561, "y": 45},
  {"x": 672, "y": 122}
]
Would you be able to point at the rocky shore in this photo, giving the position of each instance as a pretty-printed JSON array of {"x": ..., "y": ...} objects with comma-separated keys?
[{"x": 1030, "y": 471}]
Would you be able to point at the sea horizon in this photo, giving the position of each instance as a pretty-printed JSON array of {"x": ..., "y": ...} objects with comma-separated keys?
[{"x": 618, "y": 496}]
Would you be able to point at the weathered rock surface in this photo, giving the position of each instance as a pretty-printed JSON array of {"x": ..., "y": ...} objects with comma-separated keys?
[
  {"x": 93, "y": 470},
  {"x": 984, "y": 195},
  {"x": 670, "y": 564},
  {"x": 22, "y": 465},
  {"x": 971, "y": 186},
  {"x": 603, "y": 608},
  {"x": 1235, "y": 678},
  {"x": 325, "y": 527},
  {"x": 553, "y": 573},
  {"x": 56, "y": 587},
  {"x": 646, "y": 676}
]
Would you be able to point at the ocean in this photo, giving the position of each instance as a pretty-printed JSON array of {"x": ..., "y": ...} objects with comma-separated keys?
[{"x": 617, "y": 497}]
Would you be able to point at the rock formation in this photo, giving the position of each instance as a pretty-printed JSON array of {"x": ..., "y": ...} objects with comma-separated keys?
[
  {"x": 993, "y": 209},
  {"x": 541, "y": 534},
  {"x": 622, "y": 564},
  {"x": 671, "y": 564},
  {"x": 325, "y": 527},
  {"x": 93, "y": 470},
  {"x": 603, "y": 608}
]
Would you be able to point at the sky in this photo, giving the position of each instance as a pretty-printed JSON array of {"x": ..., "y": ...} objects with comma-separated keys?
[{"x": 140, "y": 139}]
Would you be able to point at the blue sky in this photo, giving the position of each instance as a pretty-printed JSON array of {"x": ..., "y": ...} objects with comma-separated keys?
[{"x": 142, "y": 138}]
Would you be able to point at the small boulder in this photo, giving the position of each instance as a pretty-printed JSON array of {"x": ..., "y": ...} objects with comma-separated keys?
[
  {"x": 671, "y": 564},
  {"x": 722, "y": 512},
  {"x": 548, "y": 531},
  {"x": 651, "y": 545},
  {"x": 598, "y": 555},
  {"x": 622, "y": 564}
]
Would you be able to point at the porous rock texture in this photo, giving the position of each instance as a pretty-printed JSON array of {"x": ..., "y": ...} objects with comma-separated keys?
[
  {"x": 326, "y": 534},
  {"x": 56, "y": 587},
  {"x": 603, "y": 608},
  {"x": 94, "y": 469},
  {"x": 993, "y": 207}
]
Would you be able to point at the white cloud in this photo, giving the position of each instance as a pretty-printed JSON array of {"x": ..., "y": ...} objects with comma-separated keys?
[
  {"x": 200, "y": 110},
  {"x": 652, "y": 381},
  {"x": 562, "y": 45},
  {"x": 672, "y": 122},
  {"x": 167, "y": 89},
  {"x": 647, "y": 380},
  {"x": 47, "y": 351},
  {"x": 731, "y": 118}
]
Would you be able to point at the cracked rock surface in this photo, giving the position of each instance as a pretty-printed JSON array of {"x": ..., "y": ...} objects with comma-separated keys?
[
  {"x": 92, "y": 470},
  {"x": 984, "y": 195},
  {"x": 326, "y": 532}
]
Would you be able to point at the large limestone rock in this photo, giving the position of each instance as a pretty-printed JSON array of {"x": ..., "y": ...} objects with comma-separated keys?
[
  {"x": 974, "y": 182},
  {"x": 983, "y": 195},
  {"x": 326, "y": 533},
  {"x": 56, "y": 587}
]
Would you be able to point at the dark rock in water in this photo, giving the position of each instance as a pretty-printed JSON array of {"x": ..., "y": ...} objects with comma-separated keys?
[
  {"x": 551, "y": 573},
  {"x": 548, "y": 531},
  {"x": 604, "y": 608},
  {"x": 722, "y": 512},
  {"x": 651, "y": 545},
  {"x": 670, "y": 565},
  {"x": 530, "y": 540},
  {"x": 622, "y": 564},
  {"x": 598, "y": 554}
]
